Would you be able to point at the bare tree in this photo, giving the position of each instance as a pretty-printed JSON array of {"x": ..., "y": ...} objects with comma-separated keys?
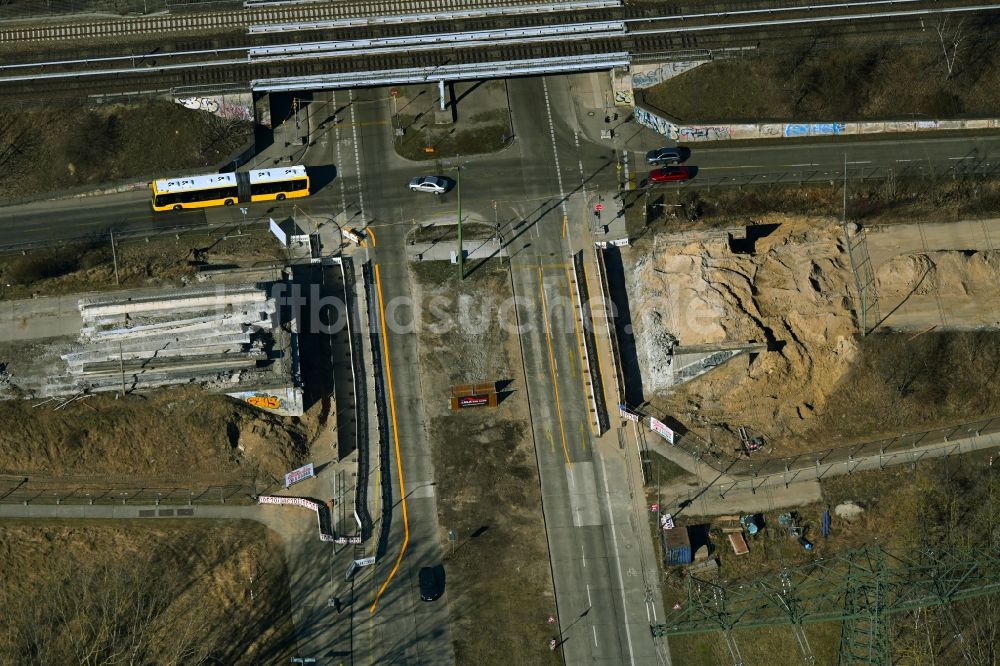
[
  {"x": 951, "y": 39},
  {"x": 109, "y": 614}
]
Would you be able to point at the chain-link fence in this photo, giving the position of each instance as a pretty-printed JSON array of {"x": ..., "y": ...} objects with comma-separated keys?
[{"x": 41, "y": 489}]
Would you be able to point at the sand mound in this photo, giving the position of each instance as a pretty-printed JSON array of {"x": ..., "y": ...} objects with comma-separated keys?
[
  {"x": 794, "y": 291},
  {"x": 950, "y": 273}
]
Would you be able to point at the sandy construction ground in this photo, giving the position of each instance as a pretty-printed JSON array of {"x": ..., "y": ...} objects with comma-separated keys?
[
  {"x": 941, "y": 275},
  {"x": 794, "y": 292}
]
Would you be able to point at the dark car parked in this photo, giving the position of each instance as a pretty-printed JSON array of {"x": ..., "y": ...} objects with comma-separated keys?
[
  {"x": 667, "y": 155},
  {"x": 431, "y": 582}
]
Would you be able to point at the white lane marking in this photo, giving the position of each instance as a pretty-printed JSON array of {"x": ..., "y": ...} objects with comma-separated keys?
[
  {"x": 618, "y": 561},
  {"x": 594, "y": 629},
  {"x": 802, "y": 165},
  {"x": 742, "y": 166},
  {"x": 579, "y": 160},
  {"x": 861, "y": 162},
  {"x": 555, "y": 149},
  {"x": 340, "y": 160},
  {"x": 967, "y": 157},
  {"x": 905, "y": 160},
  {"x": 589, "y": 602},
  {"x": 584, "y": 556},
  {"x": 357, "y": 157}
]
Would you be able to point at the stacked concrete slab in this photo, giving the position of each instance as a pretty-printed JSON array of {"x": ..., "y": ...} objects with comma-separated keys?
[{"x": 222, "y": 336}]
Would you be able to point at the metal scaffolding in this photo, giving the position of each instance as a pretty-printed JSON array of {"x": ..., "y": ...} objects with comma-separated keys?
[{"x": 860, "y": 588}]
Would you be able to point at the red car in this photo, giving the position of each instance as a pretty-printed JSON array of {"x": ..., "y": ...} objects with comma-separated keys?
[{"x": 668, "y": 174}]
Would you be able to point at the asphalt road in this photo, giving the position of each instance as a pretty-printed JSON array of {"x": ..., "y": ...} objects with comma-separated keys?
[
  {"x": 404, "y": 629},
  {"x": 500, "y": 175},
  {"x": 539, "y": 190},
  {"x": 795, "y": 162}
]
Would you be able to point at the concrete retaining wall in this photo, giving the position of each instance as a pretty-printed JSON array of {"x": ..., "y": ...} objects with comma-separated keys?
[{"x": 741, "y": 131}]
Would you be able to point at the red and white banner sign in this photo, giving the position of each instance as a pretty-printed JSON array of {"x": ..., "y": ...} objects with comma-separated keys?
[
  {"x": 294, "y": 501},
  {"x": 661, "y": 428},
  {"x": 300, "y": 474},
  {"x": 343, "y": 540},
  {"x": 308, "y": 504},
  {"x": 474, "y": 401}
]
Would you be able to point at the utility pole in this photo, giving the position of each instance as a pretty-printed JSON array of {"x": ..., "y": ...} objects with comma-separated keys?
[
  {"x": 496, "y": 227},
  {"x": 461, "y": 254},
  {"x": 845, "y": 190},
  {"x": 114, "y": 257}
]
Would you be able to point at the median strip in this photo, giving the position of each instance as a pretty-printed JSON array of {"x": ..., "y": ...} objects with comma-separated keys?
[{"x": 395, "y": 439}]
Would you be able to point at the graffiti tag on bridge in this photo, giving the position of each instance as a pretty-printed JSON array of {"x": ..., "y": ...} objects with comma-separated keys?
[{"x": 265, "y": 401}]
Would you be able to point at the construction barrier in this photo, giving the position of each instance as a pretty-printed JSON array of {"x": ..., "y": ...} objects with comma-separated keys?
[{"x": 322, "y": 515}]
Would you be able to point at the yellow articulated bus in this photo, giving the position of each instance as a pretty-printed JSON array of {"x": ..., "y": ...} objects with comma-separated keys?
[{"x": 226, "y": 189}]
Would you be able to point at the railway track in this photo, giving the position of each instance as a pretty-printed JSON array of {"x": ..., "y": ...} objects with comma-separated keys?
[
  {"x": 490, "y": 33},
  {"x": 90, "y": 29}
]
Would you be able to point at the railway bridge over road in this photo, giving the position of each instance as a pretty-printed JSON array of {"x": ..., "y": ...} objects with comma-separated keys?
[{"x": 280, "y": 45}]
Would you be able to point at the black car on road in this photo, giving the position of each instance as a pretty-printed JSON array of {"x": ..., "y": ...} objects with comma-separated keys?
[{"x": 431, "y": 582}]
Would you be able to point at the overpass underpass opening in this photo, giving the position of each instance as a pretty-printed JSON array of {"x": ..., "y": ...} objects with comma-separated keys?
[{"x": 459, "y": 72}]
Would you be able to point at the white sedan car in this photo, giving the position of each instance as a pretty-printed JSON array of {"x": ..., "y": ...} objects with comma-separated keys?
[{"x": 434, "y": 184}]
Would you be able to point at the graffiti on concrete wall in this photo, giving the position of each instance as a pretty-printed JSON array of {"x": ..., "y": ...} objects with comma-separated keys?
[
  {"x": 682, "y": 132},
  {"x": 814, "y": 129},
  {"x": 790, "y": 130},
  {"x": 222, "y": 108},
  {"x": 265, "y": 401},
  {"x": 704, "y": 133},
  {"x": 660, "y": 73},
  {"x": 655, "y": 123},
  {"x": 624, "y": 98}
]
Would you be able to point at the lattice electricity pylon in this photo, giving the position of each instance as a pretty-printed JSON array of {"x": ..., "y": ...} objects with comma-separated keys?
[{"x": 861, "y": 588}]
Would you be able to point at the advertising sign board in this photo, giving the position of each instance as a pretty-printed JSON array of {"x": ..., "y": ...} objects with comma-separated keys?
[
  {"x": 661, "y": 429},
  {"x": 300, "y": 474}
]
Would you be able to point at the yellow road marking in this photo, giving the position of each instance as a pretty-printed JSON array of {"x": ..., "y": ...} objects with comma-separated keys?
[
  {"x": 583, "y": 437},
  {"x": 560, "y": 267},
  {"x": 552, "y": 365},
  {"x": 552, "y": 442},
  {"x": 395, "y": 437},
  {"x": 565, "y": 224}
]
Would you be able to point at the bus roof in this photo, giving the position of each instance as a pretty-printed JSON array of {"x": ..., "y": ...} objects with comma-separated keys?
[
  {"x": 187, "y": 183},
  {"x": 274, "y": 175}
]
